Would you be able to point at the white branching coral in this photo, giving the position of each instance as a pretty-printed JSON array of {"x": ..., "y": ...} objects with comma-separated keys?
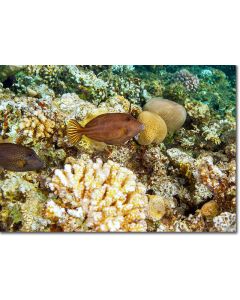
[
  {"x": 96, "y": 197},
  {"x": 37, "y": 125}
]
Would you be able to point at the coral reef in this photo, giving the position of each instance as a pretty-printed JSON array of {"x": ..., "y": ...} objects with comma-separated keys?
[{"x": 178, "y": 175}]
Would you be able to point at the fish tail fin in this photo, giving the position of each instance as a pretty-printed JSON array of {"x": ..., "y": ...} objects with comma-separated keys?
[{"x": 74, "y": 131}]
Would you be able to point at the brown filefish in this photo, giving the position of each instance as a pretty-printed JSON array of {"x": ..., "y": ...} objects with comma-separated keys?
[
  {"x": 110, "y": 128},
  {"x": 18, "y": 158}
]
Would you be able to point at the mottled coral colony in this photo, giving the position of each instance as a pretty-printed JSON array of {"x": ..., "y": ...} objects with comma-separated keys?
[{"x": 178, "y": 175}]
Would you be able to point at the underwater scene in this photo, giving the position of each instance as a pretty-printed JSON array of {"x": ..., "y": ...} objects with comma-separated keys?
[{"x": 117, "y": 148}]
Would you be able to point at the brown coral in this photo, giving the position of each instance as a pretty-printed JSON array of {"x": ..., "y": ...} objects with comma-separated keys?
[
  {"x": 210, "y": 209},
  {"x": 172, "y": 113}
]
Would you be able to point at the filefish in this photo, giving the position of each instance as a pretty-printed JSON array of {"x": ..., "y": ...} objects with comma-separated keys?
[
  {"x": 110, "y": 128},
  {"x": 18, "y": 158}
]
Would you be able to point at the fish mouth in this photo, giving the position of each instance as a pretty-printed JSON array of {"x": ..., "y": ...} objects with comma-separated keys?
[
  {"x": 38, "y": 165},
  {"x": 136, "y": 136},
  {"x": 142, "y": 127}
]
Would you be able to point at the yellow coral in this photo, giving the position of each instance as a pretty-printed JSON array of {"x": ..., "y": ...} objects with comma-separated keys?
[
  {"x": 155, "y": 129},
  {"x": 96, "y": 197},
  {"x": 156, "y": 207},
  {"x": 37, "y": 126}
]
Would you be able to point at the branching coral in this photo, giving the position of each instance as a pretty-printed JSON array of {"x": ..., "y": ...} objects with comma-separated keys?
[
  {"x": 122, "y": 68},
  {"x": 96, "y": 197},
  {"x": 190, "y": 81},
  {"x": 198, "y": 111},
  {"x": 37, "y": 126},
  {"x": 51, "y": 75},
  {"x": 176, "y": 92},
  {"x": 28, "y": 121}
]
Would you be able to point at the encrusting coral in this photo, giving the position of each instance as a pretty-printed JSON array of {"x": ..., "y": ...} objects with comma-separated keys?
[
  {"x": 22, "y": 202},
  {"x": 198, "y": 111},
  {"x": 225, "y": 222},
  {"x": 96, "y": 197},
  {"x": 188, "y": 167},
  {"x": 210, "y": 209}
]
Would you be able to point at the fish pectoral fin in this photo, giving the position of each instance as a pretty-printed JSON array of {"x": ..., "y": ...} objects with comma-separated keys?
[{"x": 21, "y": 163}]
